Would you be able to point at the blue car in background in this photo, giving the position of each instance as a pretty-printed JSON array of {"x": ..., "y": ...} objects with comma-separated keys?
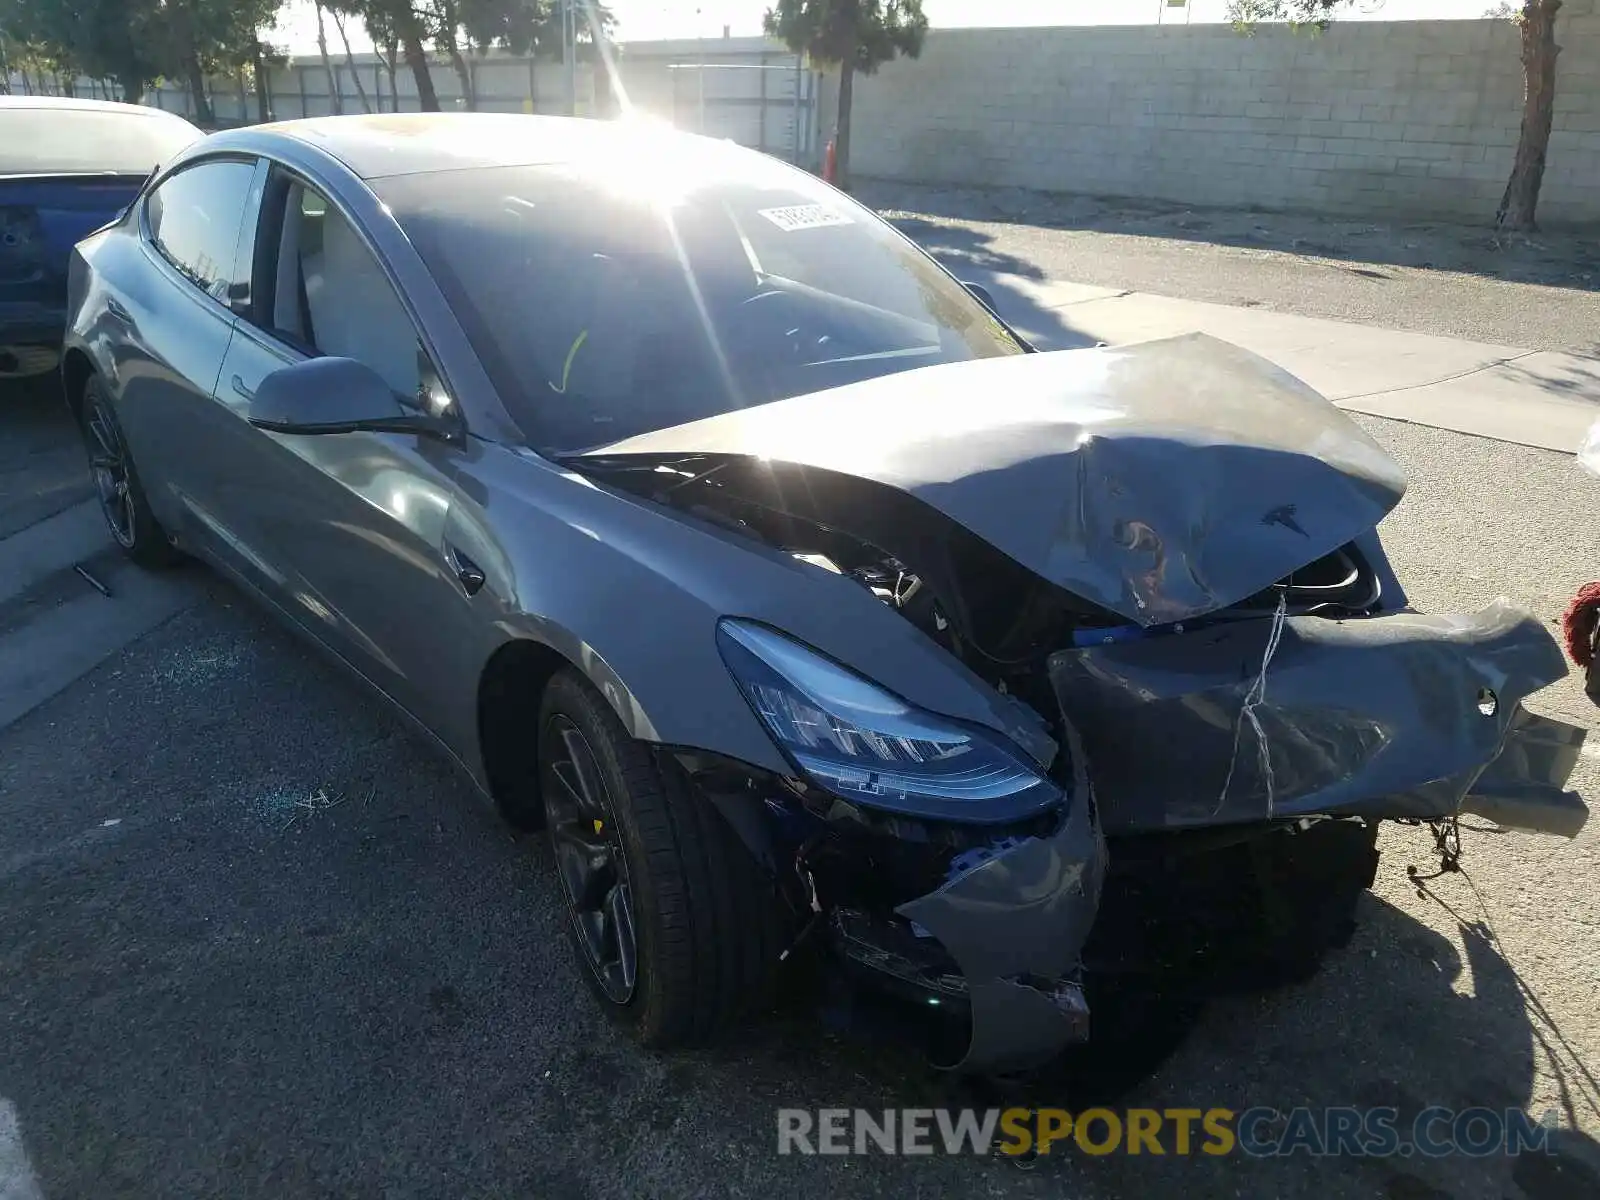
[{"x": 67, "y": 167}]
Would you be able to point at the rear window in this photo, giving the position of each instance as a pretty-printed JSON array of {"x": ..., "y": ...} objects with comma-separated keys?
[{"x": 55, "y": 141}]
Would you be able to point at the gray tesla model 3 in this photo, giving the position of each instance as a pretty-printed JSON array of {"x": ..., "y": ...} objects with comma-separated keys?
[{"x": 713, "y": 527}]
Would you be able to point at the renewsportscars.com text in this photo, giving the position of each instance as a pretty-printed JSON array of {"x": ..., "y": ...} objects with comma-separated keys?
[{"x": 1258, "y": 1132}]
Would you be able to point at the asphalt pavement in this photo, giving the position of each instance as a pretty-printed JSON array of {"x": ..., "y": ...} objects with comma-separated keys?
[
  {"x": 257, "y": 940},
  {"x": 1539, "y": 291}
]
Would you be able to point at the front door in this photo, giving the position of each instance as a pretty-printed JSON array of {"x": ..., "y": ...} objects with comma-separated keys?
[{"x": 346, "y": 530}]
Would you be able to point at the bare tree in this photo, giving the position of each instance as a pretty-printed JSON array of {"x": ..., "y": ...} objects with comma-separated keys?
[
  {"x": 350, "y": 59},
  {"x": 334, "y": 98}
]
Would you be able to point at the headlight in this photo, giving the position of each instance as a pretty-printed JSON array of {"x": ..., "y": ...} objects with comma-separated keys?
[{"x": 867, "y": 745}]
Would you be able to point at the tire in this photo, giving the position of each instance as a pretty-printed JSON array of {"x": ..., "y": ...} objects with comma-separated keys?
[
  {"x": 122, "y": 497},
  {"x": 1310, "y": 884},
  {"x": 1259, "y": 914},
  {"x": 707, "y": 923}
]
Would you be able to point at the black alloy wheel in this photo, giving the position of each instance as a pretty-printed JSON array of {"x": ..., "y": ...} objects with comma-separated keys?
[
  {"x": 117, "y": 487},
  {"x": 586, "y": 838},
  {"x": 108, "y": 460}
]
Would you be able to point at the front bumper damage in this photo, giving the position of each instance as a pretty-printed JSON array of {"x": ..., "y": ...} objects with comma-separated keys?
[
  {"x": 1402, "y": 716},
  {"x": 1406, "y": 715},
  {"x": 1015, "y": 926}
]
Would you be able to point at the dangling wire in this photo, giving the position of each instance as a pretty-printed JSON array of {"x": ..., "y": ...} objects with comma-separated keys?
[
  {"x": 1247, "y": 712},
  {"x": 1447, "y": 842}
]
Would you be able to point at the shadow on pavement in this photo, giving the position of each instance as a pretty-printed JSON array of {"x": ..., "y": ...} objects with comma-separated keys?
[
  {"x": 1577, "y": 378},
  {"x": 42, "y": 468},
  {"x": 1385, "y": 1024},
  {"x": 1554, "y": 258},
  {"x": 970, "y": 255}
]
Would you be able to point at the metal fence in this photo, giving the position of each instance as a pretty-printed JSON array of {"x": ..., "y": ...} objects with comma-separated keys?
[
  {"x": 742, "y": 89},
  {"x": 768, "y": 106}
]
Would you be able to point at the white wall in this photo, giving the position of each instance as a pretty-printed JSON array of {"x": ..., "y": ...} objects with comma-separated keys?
[{"x": 1413, "y": 119}]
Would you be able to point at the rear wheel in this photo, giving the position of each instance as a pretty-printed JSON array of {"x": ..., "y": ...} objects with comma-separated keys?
[
  {"x": 676, "y": 929},
  {"x": 121, "y": 496}
]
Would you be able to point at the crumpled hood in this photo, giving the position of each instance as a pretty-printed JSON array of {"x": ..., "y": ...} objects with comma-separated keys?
[{"x": 1160, "y": 481}]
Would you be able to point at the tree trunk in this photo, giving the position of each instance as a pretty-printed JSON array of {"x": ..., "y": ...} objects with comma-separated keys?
[
  {"x": 417, "y": 60},
  {"x": 197, "y": 90},
  {"x": 263, "y": 87},
  {"x": 132, "y": 89},
  {"x": 464, "y": 75},
  {"x": 1519, "y": 207},
  {"x": 350, "y": 61},
  {"x": 390, "y": 55},
  {"x": 847, "y": 91},
  {"x": 335, "y": 100}
]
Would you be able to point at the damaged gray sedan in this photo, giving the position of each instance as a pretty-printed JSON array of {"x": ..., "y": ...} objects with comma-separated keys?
[{"x": 714, "y": 528}]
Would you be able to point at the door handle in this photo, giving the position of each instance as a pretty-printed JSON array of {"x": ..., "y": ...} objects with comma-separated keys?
[
  {"x": 239, "y": 389},
  {"x": 468, "y": 572}
]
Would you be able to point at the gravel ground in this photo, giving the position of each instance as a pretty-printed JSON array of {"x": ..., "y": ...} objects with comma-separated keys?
[
  {"x": 256, "y": 941},
  {"x": 1538, "y": 292}
]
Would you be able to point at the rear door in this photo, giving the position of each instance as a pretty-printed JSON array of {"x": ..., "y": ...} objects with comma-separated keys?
[
  {"x": 176, "y": 313},
  {"x": 346, "y": 531}
]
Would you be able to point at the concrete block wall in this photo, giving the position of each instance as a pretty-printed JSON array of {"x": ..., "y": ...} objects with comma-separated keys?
[{"x": 1411, "y": 119}]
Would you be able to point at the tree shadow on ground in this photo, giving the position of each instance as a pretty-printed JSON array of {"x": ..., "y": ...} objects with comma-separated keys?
[
  {"x": 1385, "y": 1024},
  {"x": 1564, "y": 258},
  {"x": 971, "y": 256},
  {"x": 1577, "y": 378}
]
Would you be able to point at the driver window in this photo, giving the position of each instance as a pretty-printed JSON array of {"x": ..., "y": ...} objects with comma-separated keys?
[{"x": 332, "y": 296}]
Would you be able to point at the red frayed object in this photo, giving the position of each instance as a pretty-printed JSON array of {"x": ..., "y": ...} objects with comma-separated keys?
[{"x": 1580, "y": 623}]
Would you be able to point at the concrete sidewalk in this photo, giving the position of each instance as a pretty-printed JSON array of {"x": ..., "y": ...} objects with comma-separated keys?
[{"x": 1534, "y": 398}]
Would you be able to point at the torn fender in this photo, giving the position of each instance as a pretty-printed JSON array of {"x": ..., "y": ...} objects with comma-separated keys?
[{"x": 1407, "y": 715}]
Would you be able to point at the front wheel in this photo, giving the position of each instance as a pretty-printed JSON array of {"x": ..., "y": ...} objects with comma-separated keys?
[
  {"x": 676, "y": 928},
  {"x": 122, "y": 499}
]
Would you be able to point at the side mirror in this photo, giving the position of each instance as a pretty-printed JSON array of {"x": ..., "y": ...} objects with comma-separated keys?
[
  {"x": 336, "y": 395},
  {"x": 984, "y": 298}
]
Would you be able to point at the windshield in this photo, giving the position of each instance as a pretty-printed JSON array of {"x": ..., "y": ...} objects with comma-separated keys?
[
  {"x": 607, "y": 301},
  {"x": 57, "y": 141}
]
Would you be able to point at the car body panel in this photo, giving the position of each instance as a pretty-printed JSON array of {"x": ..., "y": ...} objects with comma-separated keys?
[
  {"x": 158, "y": 344},
  {"x": 344, "y": 532},
  {"x": 573, "y": 556}
]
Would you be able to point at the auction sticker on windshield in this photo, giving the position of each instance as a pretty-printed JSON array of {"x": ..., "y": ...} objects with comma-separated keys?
[{"x": 804, "y": 216}]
